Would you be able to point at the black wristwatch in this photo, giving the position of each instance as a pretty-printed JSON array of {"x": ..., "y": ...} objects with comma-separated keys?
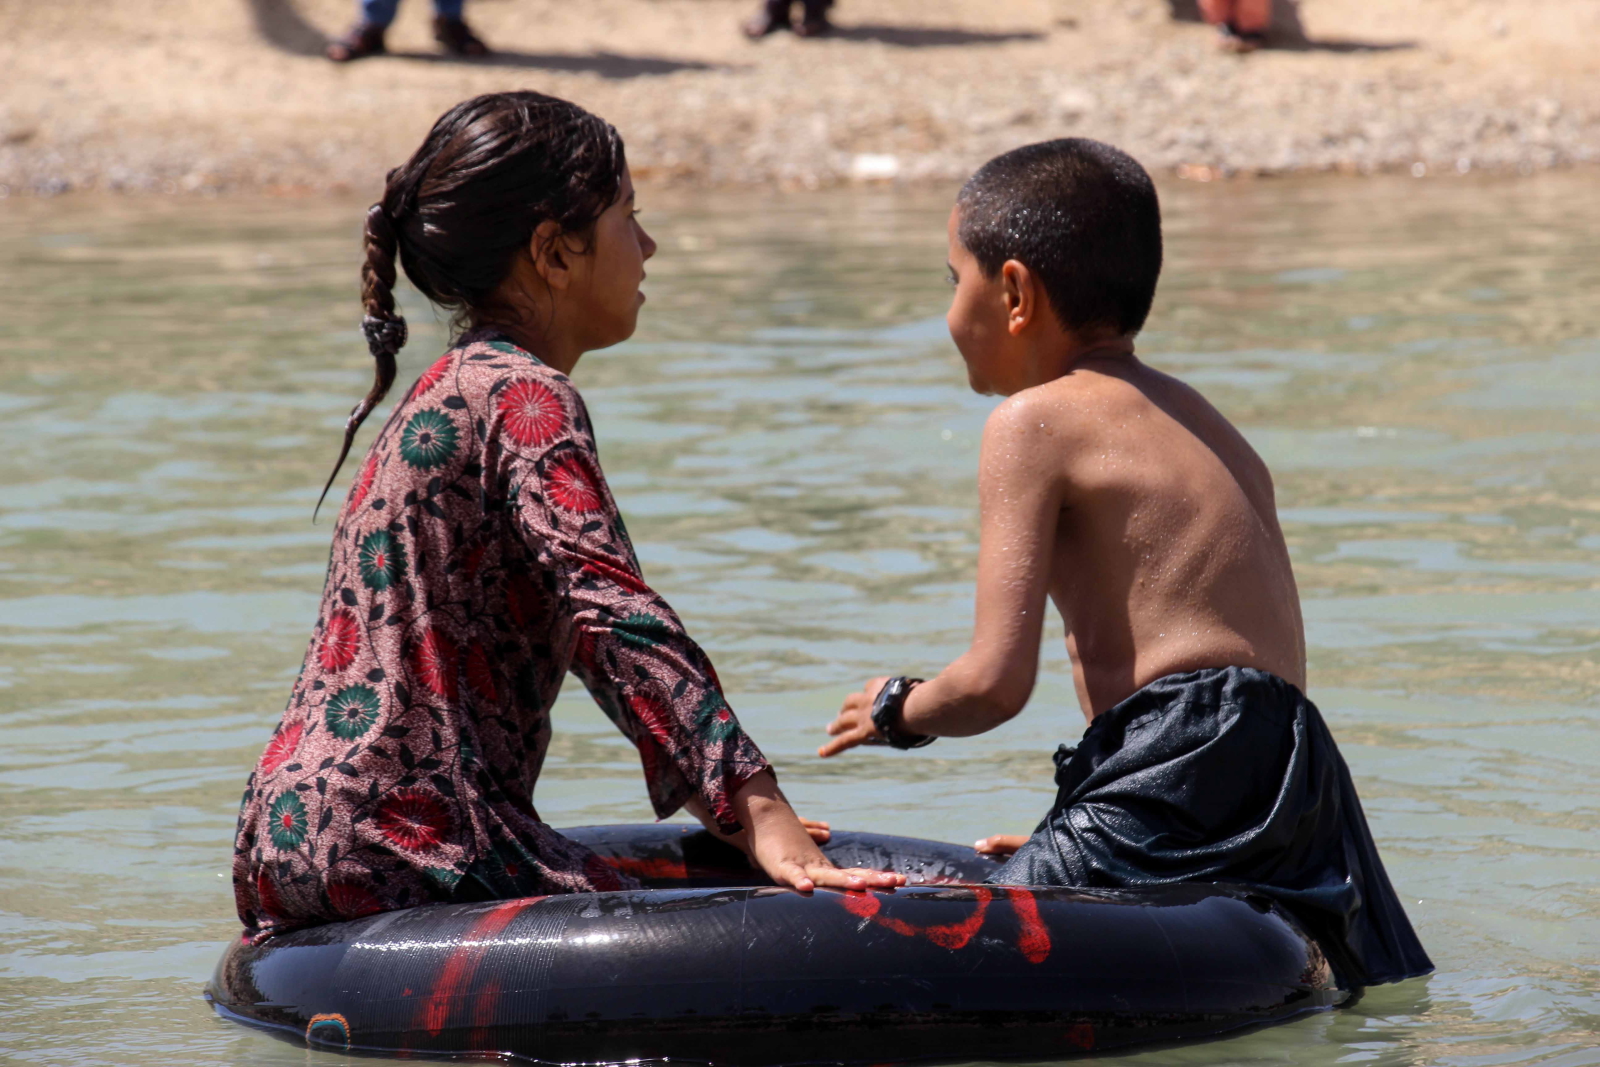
[{"x": 888, "y": 714}]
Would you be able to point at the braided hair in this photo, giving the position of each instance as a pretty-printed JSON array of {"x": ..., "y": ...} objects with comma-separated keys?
[{"x": 459, "y": 212}]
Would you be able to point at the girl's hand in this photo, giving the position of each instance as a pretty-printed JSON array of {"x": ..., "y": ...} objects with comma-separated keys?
[
  {"x": 1000, "y": 844},
  {"x": 854, "y": 725},
  {"x": 808, "y": 876},
  {"x": 784, "y": 848}
]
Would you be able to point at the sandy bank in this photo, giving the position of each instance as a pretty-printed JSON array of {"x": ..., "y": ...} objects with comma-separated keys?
[{"x": 198, "y": 95}]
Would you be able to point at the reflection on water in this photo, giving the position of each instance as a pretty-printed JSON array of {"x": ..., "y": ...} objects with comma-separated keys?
[{"x": 794, "y": 448}]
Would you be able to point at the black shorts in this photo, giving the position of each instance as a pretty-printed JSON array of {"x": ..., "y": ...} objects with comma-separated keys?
[{"x": 1225, "y": 775}]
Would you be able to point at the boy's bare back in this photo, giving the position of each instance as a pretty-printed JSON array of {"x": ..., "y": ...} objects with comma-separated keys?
[{"x": 1166, "y": 555}]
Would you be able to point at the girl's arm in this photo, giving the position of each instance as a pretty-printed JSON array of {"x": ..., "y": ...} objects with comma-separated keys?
[{"x": 641, "y": 666}]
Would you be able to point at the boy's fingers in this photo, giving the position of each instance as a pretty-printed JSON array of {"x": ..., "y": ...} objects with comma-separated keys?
[
  {"x": 1000, "y": 844},
  {"x": 820, "y": 832},
  {"x": 847, "y": 738}
]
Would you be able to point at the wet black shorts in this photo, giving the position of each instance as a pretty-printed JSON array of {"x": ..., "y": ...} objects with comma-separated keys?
[{"x": 1225, "y": 775}]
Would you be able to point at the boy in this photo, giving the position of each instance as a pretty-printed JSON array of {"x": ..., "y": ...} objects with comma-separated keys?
[{"x": 1122, "y": 495}]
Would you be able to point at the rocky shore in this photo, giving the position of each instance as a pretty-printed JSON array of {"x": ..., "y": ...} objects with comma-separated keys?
[{"x": 205, "y": 96}]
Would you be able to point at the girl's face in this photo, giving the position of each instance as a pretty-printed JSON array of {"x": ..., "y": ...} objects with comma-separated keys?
[{"x": 606, "y": 281}]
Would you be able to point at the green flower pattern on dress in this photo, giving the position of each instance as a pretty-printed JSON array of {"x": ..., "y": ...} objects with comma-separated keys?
[
  {"x": 382, "y": 560},
  {"x": 642, "y": 630},
  {"x": 288, "y": 822},
  {"x": 429, "y": 439},
  {"x": 495, "y": 546},
  {"x": 714, "y": 720},
  {"x": 352, "y": 711}
]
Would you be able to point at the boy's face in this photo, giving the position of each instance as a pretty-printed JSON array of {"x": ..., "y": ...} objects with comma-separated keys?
[{"x": 977, "y": 317}]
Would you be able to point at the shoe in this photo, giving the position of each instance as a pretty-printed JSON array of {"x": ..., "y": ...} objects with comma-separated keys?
[
  {"x": 362, "y": 41},
  {"x": 772, "y": 17},
  {"x": 815, "y": 23},
  {"x": 458, "y": 38}
]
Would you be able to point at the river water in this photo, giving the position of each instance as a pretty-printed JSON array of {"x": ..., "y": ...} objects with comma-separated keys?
[{"x": 794, "y": 449}]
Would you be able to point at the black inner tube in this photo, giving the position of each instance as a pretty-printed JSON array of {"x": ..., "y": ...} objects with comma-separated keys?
[{"x": 713, "y": 964}]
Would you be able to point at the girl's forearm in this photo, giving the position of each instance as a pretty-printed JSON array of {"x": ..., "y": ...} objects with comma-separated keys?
[{"x": 696, "y": 807}]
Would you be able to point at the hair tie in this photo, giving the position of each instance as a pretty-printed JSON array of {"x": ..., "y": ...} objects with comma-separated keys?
[{"x": 386, "y": 336}]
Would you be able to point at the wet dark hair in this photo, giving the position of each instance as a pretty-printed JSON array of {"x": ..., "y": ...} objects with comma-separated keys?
[
  {"x": 1081, "y": 215},
  {"x": 460, "y": 210}
]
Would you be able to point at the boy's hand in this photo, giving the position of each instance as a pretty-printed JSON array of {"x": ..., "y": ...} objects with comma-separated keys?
[
  {"x": 820, "y": 831},
  {"x": 854, "y": 725},
  {"x": 1000, "y": 844}
]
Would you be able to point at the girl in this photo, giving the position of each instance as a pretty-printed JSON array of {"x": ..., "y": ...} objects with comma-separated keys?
[{"x": 479, "y": 556}]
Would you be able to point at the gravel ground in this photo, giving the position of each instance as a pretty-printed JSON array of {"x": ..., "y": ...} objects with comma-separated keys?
[{"x": 216, "y": 95}]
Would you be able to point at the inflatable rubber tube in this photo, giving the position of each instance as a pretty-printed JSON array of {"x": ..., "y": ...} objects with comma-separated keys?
[{"x": 715, "y": 967}]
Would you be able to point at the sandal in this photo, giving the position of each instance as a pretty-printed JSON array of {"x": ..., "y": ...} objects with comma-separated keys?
[
  {"x": 1239, "y": 42},
  {"x": 772, "y": 17},
  {"x": 458, "y": 38},
  {"x": 362, "y": 41}
]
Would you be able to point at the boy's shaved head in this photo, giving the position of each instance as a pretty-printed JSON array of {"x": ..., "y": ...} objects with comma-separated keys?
[{"x": 1081, "y": 215}]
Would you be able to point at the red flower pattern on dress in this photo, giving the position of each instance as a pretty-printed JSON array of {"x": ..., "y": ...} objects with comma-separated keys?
[
  {"x": 480, "y": 676},
  {"x": 282, "y": 746},
  {"x": 471, "y": 570},
  {"x": 413, "y": 819},
  {"x": 351, "y": 900},
  {"x": 572, "y": 485},
  {"x": 523, "y": 601},
  {"x": 341, "y": 640},
  {"x": 655, "y": 713},
  {"x": 433, "y": 374},
  {"x": 267, "y": 893},
  {"x": 433, "y": 659},
  {"x": 533, "y": 414},
  {"x": 474, "y": 560},
  {"x": 363, "y": 486}
]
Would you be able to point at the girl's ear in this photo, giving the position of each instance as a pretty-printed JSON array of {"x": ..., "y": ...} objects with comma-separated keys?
[
  {"x": 1019, "y": 290},
  {"x": 549, "y": 254}
]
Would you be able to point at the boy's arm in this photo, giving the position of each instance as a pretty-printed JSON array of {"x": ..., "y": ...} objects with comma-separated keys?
[{"x": 1021, "y": 485}]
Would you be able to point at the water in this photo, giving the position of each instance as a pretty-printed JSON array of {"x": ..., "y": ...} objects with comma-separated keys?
[{"x": 794, "y": 449}]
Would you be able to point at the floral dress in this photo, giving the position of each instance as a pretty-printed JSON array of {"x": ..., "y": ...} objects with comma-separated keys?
[{"x": 478, "y": 557}]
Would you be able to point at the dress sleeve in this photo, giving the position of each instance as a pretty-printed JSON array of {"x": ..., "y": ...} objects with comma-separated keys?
[{"x": 631, "y": 650}]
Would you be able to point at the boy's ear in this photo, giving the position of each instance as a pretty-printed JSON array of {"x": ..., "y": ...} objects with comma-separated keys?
[
  {"x": 1020, "y": 290},
  {"x": 549, "y": 254}
]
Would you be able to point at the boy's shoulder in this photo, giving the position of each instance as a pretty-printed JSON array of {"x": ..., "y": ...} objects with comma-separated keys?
[
  {"x": 1084, "y": 404},
  {"x": 1119, "y": 421}
]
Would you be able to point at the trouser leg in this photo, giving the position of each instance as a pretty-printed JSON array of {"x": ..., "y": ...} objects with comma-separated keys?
[
  {"x": 448, "y": 9},
  {"x": 378, "y": 12}
]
